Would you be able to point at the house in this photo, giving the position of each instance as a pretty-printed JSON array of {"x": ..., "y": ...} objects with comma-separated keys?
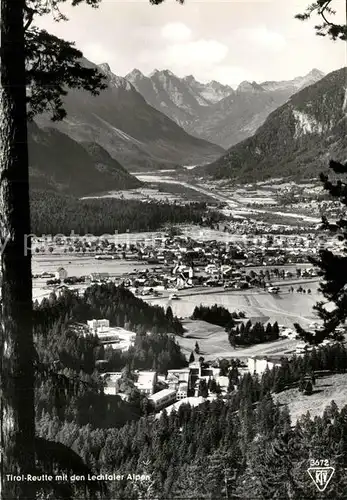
[
  {"x": 61, "y": 289},
  {"x": 182, "y": 391},
  {"x": 172, "y": 381},
  {"x": 163, "y": 398},
  {"x": 259, "y": 365},
  {"x": 146, "y": 381},
  {"x": 302, "y": 347},
  {"x": 60, "y": 274},
  {"x": 111, "y": 382},
  {"x": 97, "y": 277},
  {"x": 195, "y": 372},
  {"x": 208, "y": 371},
  {"x": 96, "y": 324},
  {"x": 223, "y": 382},
  {"x": 180, "y": 374}
]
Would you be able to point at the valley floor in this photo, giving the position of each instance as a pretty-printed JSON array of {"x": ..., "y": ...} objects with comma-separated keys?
[
  {"x": 285, "y": 308},
  {"x": 213, "y": 343}
]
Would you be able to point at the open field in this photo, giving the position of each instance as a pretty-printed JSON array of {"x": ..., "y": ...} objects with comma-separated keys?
[
  {"x": 190, "y": 230},
  {"x": 182, "y": 192},
  {"x": 213, "y": 343},
  {"x": 81, "y": 266},
  {"x": 285, "y": 308},
  {"x": 328, "y": 388},
  {"x": 236, "y": 198},
  {"x": 160, "y": 187},
  {"x": 151, "y": 192}
]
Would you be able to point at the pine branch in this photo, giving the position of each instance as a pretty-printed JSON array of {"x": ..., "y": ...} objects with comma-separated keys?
[
  {"x": 338, "y": 167},
  {"x": 322, "y": 8},
  {"x": 63, "y": 384},
  {"x": 53, "y": 67}
]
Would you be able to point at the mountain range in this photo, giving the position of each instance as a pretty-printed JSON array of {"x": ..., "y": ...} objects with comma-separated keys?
[
  {"x": 296, "y": 140},
  {"x": 104, "y": 137},
  {"x": 128, "y": 128},
  {"x": 213, "y": 111}
]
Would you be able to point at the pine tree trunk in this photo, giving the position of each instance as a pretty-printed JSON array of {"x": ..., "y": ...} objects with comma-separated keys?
[{"x": 17, "y": 376}]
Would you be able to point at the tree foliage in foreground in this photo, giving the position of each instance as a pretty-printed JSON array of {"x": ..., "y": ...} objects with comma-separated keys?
[
  {"x": 36, "y": 70},
  {"x": 217, "y": 450},
  {"x": 332, "y": 265},
  {"x": 53, "y": 65},
  {"x": 325, "y": 10}
]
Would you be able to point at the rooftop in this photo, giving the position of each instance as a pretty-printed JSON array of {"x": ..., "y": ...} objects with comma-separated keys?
[
  {"x": 162, "y": 394},
  {"x": 179, "y": 370},
  {"x": 111, "y": 377},
  {"x": 145, "y": 378},
  {"x": 192, "y": 401}
]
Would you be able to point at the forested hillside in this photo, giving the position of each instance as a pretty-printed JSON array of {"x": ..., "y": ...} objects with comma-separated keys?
[
  {"x": 242, "y": 447},
  {"x": 296, "y": 140},
  {"x": 58, "y": 162},
  {"x": 62, "y": 346},
  {"x": 107, "y": 215}
]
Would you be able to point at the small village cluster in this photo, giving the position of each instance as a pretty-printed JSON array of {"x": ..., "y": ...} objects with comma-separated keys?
[
  {"x": 198, "y": 381},
  {"x": 178, "y": 262}
]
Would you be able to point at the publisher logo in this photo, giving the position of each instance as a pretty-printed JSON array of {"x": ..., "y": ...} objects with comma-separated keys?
[{"x": 321, "y": 476}]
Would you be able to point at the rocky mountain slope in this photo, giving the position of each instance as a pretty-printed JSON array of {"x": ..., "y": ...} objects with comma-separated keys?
[
  {"x": 132, "y": 131},
  {"x": 181, "y": 99},
  {"x": 213, "y": 111},
  {"x": 296, "y": 140},
  {"x": 60, "y": 163}
]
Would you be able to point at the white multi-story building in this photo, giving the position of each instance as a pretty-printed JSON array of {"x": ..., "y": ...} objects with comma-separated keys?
[
  {"x": 182, "y": 391},
  {"x": 96, "y": 324},
  {"x": 163, "y": 398}
]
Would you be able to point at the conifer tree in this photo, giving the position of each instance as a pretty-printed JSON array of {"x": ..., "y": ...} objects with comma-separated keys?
[
  {"x": 333, "y": 266},
  {"x": 325, "y": 10},
  {"x": 203, "y": 390},
  {"x": 169, "y": 314},
  {"x": 36, "y": 69}
]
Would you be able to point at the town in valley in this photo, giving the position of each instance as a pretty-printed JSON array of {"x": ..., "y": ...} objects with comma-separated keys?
[{"x": 176, "y": 326}]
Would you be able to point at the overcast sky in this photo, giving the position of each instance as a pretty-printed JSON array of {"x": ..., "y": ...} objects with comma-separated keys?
[{"x": 228, "y": 41}]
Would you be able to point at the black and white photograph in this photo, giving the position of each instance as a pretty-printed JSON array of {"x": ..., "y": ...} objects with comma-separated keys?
[{"x": 173, "y": 244}]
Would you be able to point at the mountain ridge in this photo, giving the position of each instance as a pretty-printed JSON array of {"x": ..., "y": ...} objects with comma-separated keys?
[
  {"x": 213, "y": 111},
  {"x": 134, "y": 133},
  {"x": 296, "y": 140},
  {"x": 58, "y": 162}
]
